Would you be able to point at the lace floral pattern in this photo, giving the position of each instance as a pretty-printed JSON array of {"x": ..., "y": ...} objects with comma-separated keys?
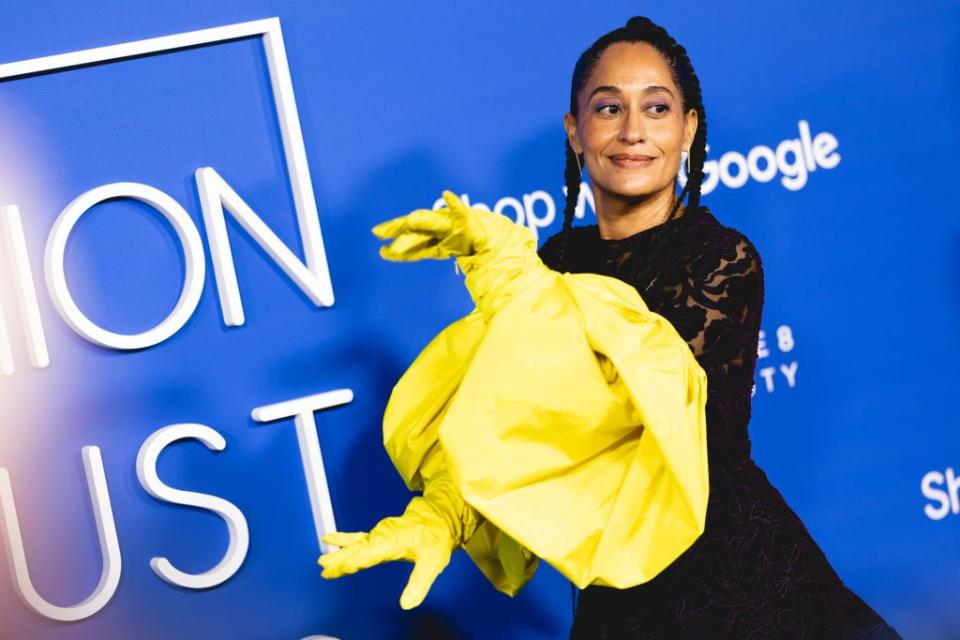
[{"x": 756, "y": 571}]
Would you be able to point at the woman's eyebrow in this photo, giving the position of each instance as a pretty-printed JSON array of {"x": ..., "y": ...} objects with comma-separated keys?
[{"x": 653, "y": 88}]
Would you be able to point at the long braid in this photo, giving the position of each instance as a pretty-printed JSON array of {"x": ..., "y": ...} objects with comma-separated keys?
[
  {"x": 571, "y": 176},
  {"x": 640, "y": 29}
]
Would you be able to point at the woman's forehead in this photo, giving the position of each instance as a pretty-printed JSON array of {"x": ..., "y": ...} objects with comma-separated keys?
[{"x": 630, "y": 65}]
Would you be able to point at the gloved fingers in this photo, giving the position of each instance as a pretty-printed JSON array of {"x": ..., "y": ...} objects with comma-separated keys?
[
  {"x": 410, "y": 246},
  {"x": 332, "y": 563},
  {"x": 350, "y": 560},
  {"x": 344, "y": 538},
  {"x": 388, "y": 228},
  {"x": 453, "y": 202},
  {"x": 364, "y": 555},
  {"x": 436, "y": 222},
  {"x": 428, "y": 566}
]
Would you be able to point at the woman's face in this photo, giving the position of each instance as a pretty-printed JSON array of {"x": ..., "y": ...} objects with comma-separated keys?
[{"x": 631, "y": 128}]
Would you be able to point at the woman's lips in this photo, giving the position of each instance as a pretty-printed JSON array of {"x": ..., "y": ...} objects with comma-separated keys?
[{"x": 631, "y": 161}]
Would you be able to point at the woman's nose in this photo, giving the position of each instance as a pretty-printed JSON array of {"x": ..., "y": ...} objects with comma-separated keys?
[{"x": 632, "y": 129}]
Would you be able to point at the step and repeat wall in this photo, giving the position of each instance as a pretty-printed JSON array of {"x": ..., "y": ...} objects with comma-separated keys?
[{"x": 198, "y": 337}]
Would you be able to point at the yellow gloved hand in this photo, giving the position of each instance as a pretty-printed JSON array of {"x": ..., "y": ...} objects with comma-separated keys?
[
  {"x": 498, "y": 256},
  {"x": 455, "y": 230},
  {"x": 431, "y": 528}
]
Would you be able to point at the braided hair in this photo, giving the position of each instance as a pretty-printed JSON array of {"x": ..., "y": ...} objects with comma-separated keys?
[{"x": 638, "y": 29}]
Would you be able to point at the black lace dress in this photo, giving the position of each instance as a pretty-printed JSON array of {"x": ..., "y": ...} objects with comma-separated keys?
[{"x": 756, "y": 572}]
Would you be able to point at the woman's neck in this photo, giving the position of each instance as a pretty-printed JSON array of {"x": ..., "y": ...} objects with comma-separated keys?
[{"x": 618, "y": 218}]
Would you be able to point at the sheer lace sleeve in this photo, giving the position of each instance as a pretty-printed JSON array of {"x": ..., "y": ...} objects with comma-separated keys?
[
  {"x": 711, "y": 290},
  {"x": 720, "y": 302}
]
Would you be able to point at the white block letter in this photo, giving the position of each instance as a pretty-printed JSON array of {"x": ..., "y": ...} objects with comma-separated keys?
[
  {"x": 15, "y": 246},
  {"x": 790, "y": 371},
  {"x": 767, "y": 373},
  {"x": 313, "y": 278},
  {"x": 930, "y": 492},
  {"x": 236, "y": 522},
  {"x": 109, "y": 546},
  {"x": 193, "y": 273},
  {"x": 301, "y": 410}
]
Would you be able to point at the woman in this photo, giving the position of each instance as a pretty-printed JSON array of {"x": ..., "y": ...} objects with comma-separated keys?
[
  {"x": 755, "y": 571},
  {"x": 635, "y": 108}
]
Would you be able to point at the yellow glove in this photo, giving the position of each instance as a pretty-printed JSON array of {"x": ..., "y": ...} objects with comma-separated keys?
[
  {"x": 455, "y": 230},
  {"x": 431, "y": 528},
  {"x": 498, "y": 256}
]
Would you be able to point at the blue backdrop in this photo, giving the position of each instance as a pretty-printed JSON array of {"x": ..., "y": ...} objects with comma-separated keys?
[{"x": 832, "y": 131}]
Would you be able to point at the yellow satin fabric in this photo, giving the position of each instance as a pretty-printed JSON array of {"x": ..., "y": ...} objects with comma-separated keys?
[{"x": 572, "y": 418}]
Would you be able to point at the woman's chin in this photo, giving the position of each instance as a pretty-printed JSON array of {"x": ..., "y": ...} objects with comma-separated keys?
[{"x": 633, "y": 190}]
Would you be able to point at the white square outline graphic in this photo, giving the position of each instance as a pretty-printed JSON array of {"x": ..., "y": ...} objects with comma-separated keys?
[{"x": 268, "y": 29}]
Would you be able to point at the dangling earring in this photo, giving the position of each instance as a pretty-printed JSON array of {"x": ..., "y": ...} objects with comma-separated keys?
[{"x": 688, "y": 162}]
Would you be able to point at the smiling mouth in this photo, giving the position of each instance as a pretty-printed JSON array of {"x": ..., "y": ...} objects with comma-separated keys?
[{"x": 631, "y": 161}]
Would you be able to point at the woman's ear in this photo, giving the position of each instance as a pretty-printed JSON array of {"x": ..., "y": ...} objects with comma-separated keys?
[
  {"x": 691, "y": 122},
  {"x": 570, "y": 125}
]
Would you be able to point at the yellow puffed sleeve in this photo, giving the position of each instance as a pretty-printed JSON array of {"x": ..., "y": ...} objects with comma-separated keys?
[
  {"x": 411, "y": 423},
  {"x": 573, "y": 419}
]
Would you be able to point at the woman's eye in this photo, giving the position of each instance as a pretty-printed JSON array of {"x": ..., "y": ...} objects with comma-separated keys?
[
  {"x": 609, "y": 106},
  {"x": 663, "y": 107}
]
